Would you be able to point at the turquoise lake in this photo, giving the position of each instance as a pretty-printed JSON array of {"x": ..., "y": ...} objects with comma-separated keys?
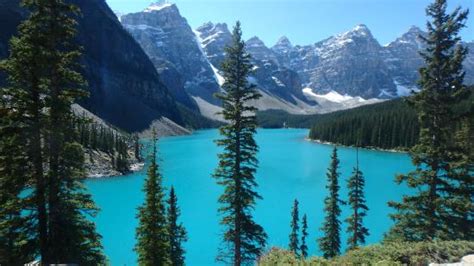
[{"x": 290, "y": 167}]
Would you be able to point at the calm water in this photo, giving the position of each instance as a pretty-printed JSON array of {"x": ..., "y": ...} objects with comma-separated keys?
[{"x": 290, "y": 168}]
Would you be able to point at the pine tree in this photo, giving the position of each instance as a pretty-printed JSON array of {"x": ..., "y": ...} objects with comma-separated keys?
[
  {"x": 16, "y": 238},
  {"x": 152, "y": 232},
  {"x": 304, "y": 235},
  {"x": 356, "y": 229},
  {"x": 243, "y": 238},
  {"x": 293, "y": 246},
  {"x": 330, "y": 242},
  {"x": 43, "y": 83},
  {"x": 176, "y": 231},
  {"x": 461, "y": 203},
  {"x": 24, "y": 72},
  {"x": 440, "y": 178}
]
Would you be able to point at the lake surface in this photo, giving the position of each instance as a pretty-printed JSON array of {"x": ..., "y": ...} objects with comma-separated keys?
[{"x": 290, "y": 167}]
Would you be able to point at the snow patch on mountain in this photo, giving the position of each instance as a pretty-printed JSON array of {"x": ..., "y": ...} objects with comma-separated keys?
[
  {"x": 332, "y": 96},
  {"x": 157, "y": 6},
  {"x": 278, "y": 82},
  {"x": 200, "y": 42},
  {"x": 385, "y": 94},
  {"x": 402, "y": 90},
  {"x": 143, "y": 27},
  {"x": 219, "y": 78}
]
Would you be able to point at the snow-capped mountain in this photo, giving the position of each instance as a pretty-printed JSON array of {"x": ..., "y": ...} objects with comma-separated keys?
[
  {"x": 403, "y": 60},
  {"x": 273, "y": 80},
  {"x": 349, "y": 63},
  {"x": 342, "y": 71},
  {"x": 172, "y": 46},
  {"x": 213, "y": 39}
]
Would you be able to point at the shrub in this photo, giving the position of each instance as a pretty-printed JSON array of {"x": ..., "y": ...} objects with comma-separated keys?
[{"x": 387, "y": 254}]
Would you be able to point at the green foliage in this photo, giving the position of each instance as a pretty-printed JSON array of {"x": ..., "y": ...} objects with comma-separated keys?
[
  {"x": 243, "y": 238},
  {"x": 293, "y": 246},
  {"x": 43, "y": 82},
  {"x": 396, "y": 253},
  {"x": 176, "y": 231},
  {"x": 304, "y": 236},
  {"x": 16, "y": 239},
  {"x": 386, "y": 125},
  {"x": 442, "y": 208},
  {"x": 152, "y": 235},
  {"x": 94, "y": 136},
  {"x": 356, "y": 229},
  {"x": 280, "y": 118},
  {"x": 278, "y": 256},
  {"x": 330, "y": 242}
]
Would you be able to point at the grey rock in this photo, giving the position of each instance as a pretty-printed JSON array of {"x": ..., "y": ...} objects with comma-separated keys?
[{"x": 172, "y": 46}]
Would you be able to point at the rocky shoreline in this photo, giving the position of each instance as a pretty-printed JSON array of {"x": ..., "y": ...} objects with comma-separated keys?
[{"x": 99, "y": 165}]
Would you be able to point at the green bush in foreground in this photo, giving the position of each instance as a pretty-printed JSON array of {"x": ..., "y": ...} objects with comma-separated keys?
[{"x": 401, "y": 253}]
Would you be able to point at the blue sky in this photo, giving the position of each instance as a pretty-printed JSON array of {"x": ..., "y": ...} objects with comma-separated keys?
[{"x": 306, "y": 21}]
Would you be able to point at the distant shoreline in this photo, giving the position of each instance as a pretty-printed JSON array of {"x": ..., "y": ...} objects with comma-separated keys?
[{"x": 349, "y": 146}]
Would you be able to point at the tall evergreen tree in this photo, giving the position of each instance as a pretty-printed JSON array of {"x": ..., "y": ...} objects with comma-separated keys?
[
  {"x": 244, "y": 238},
  {"x": 330, "y": 242},
  {"x": 176, "y": 231},
  {"x": 152, "y": 232},
  {"x": 356, "y": 229},
  {"x": 43, "y": 83},
  {"x": 440, "y": 177},
  {"x": 461, "y": 205},
  {"x": 16, "y": 238},
  {"x": 294, "y": 228},
  {"x": 24, "y": 69},
  {"x": 71, "y": 236},
  {"x": 304, "y": 235}
]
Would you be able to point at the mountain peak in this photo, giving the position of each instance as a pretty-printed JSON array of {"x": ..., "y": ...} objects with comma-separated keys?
[
  {"x": 255, "y": 41},
  {"x": 158, "y": 5},
  {"x": 210, "y": 26},
  {"x": 361, "y": 29},
  {"x": 283, "y": 41},
  {"x": 414, "y": 29},
  {"x": 412, "y": 37}
]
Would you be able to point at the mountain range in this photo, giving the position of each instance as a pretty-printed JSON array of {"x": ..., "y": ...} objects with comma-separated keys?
[
  {"x": 146, "y": 66},
  {"x": 342, "y": 71}
]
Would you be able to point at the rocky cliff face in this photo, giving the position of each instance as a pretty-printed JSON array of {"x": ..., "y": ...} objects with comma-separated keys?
[
  {"x": 275, "y": 80},
  {"x": 214, "y": 37},
  {"x": 299, "y": 79},
  {"x": 350, "y": 63},
  {"x": 354, "y": 63},
  {"x": 125, "y": 89},
  {"x": 171, "y": 44},
  {"x": 403, "y": 60}
]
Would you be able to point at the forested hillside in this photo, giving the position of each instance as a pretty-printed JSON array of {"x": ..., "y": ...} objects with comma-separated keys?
[{"x": 388, "y": 125}]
